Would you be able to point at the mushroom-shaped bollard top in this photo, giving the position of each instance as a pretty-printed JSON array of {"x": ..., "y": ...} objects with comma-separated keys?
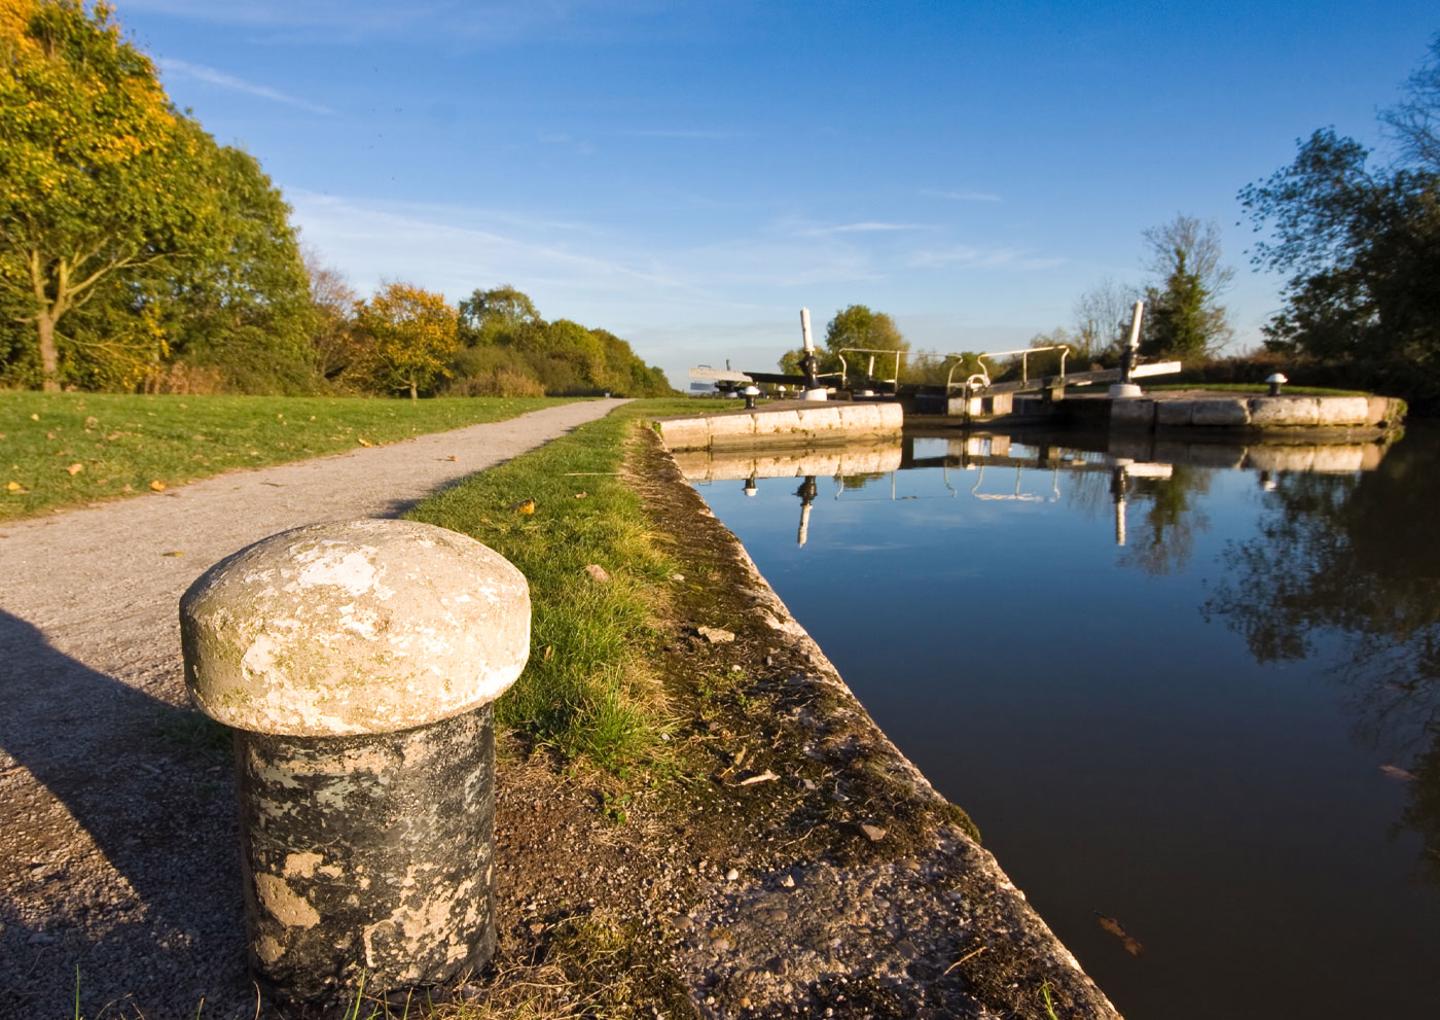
[{"x": 354, "y": 627}]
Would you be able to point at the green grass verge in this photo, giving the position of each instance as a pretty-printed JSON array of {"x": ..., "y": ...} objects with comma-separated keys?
[
  {"x": 587, "y": 692},
  {"x": 122, "y": 443},
  {"x": 1258, "y": 389}
]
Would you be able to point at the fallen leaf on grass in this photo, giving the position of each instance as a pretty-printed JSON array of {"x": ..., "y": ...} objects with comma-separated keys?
[
  {"x": 716, "y": 635},
  {"x": 597, "y": 572},
  {"x": 112, "y": 437},
  {"x": 363, "y": 441},
  {"x": 525, "y": 506},
  {"x": 582, "y": 495},
  {"x": 157, "y": 486},
  {"x": 765, "y": 777},
  {"x": 14, "y": 487},
  {"x": 1396, "y": 772},
  {"x": 1114, "y": 927},
  {"x": 75, "y": 469},
  {"x": 548, "y": 654}
]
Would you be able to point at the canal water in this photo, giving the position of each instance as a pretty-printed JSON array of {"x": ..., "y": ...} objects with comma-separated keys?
[{"x": 1223, "y": 733}]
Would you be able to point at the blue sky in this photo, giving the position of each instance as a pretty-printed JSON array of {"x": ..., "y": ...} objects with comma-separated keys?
[{"x": 688, "y": 175}]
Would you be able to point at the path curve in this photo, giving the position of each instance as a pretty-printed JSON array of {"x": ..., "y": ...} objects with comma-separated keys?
[{"x": 118, "y": 846}]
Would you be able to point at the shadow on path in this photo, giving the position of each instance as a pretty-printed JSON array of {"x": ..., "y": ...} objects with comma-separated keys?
[{"x": 145, "y": 900}]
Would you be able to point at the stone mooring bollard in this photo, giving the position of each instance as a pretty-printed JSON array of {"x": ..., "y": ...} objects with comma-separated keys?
[{"x": 356, "y": 663}]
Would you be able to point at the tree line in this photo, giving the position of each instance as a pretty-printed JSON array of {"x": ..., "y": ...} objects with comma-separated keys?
[{"x": 137, "y": 253}]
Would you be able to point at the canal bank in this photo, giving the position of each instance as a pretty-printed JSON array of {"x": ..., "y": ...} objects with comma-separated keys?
[
  {"x": 773, "y": 854},
  {"x": 867, "y": 892}
]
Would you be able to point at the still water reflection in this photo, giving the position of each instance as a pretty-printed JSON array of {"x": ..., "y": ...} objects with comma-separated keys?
[{"x": 1195, "y": 688}]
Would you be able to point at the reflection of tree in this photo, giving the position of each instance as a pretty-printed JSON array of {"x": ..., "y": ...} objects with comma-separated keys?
[
  {"x": 1162, "y": 536},
  {"x": 1356, "y": 557},
  {"x": 860, "y": 481}
]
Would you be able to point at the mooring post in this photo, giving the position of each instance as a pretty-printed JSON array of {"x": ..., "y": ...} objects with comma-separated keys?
[{"x": 356, "y": 663}]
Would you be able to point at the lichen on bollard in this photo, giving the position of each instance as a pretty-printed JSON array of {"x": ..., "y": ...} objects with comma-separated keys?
[{"x": 356, "y": 663}]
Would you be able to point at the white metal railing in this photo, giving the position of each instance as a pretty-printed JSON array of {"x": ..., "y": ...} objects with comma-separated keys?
[
  {"x": 870, "y": 371},
  {"x": 981, "y": 380}
]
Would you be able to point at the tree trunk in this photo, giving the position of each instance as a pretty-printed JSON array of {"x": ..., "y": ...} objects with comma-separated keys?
[
  {"x": 414, "y": 392},
  {"x": 49, "y": 357}
]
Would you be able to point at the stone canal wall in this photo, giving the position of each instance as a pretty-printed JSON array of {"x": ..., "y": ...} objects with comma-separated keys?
[
  {"x": 793, "y": 422},
  {"x": 1159, "y": 413}
]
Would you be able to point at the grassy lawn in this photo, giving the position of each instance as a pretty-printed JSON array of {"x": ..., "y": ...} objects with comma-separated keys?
[
  {"x": 64, "y": 449},
  {"x": 1259, "y": 389},
  {"x": 587, "y": 692}
]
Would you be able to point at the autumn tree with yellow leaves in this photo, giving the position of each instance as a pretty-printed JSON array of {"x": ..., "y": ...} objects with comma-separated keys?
[
  {"x": 120, "y": 217},
  {"x": 409, "y": 337},
  {"x": 90, "y": 156}
]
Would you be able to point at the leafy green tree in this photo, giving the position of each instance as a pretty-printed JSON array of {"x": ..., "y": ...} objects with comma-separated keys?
[
  {"x": 96, "y": 170},
  {"x": 858, "y": 326},
  {"x": 510, "y": 348},
  {"x": 410, "y": 337},
  {"x": 854, "y": 326},
  {"x": 487, "y": 315},
  {"x": 1361, "y": 246},
  {"x": 133, "y": 247},
  {"x": 1182, "y": 318},
  {"x": 241, "y": 303}
]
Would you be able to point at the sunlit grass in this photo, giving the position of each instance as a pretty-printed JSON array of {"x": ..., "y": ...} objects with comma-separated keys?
[
  {"x": 587, "y": 692},
  {"x": 64, "y": 449}
]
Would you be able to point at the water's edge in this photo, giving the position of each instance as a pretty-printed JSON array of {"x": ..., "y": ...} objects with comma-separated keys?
[{"x": 995, "y": 912}]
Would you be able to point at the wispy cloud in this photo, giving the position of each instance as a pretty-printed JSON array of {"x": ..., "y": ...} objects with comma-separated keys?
[
  {"x": 864, "y": 227},
  {"x": 965, "y": 256},
  {"x": 373, "y": 240},
  {"x": 220, "y": 79},
  {"x": 962, "y": 196}
]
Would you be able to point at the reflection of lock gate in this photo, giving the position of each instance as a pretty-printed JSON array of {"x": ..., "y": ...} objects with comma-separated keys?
[{"x": 1017, "y": 495}]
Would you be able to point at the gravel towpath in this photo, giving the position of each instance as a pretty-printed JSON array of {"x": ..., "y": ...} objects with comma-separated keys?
[{"x": 118, "y": 849}]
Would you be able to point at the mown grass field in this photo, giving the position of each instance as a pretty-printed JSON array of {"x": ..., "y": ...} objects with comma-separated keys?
[
  {"x": 64, "y": 449},
  {"x": 587, "y": 692}
]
